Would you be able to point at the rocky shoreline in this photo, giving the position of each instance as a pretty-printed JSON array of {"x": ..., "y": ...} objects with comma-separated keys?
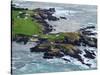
[
  {"x": 62, "y": 47},
  {"x": 41, "y": 15}
]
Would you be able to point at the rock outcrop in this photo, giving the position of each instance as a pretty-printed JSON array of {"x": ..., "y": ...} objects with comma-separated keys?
[
  {"x": 53, "y": 53},
  {"x": 89, "y": 54},
  {"x": 40, "y": 48},
  {"x": 21, "y": 38}
]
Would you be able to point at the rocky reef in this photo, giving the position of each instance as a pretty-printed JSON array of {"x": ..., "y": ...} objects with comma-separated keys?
[{"x": 67, "y": 46}]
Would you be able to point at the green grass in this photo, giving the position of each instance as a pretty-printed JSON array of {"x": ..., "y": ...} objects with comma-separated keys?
[
  {"x": 53, "y": 37},
  {"x": 24, "y": 26}
]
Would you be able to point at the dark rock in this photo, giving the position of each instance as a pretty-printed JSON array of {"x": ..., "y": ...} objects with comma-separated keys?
[
  {"x": 25, "y": 40},
  {"x": 83, "y": 44},
  {"x": 78, "y": 57},
  {"x": 70, "y": 49},
  {"x": 52, "y": 9},
  {"x": 14, "y": 39},
  {"x": 38, "y": 17},
  {"x": 73, "y": 52},
  {"x": 92, "y": 33},
  {"x": 59, "y": 55},
  {"x": 88, "y": 27},
  {"x": 73, "y": 42},
  {"x": 43, "y": 21},
  {"x": 95, "y": 40},
  {"x": 88, "y": 65},
  {"x": 63, "y": 17},
  {"x": 88, "y": 33},
  {"x": 92, "y": 42},
  {"x": 48, "y": 55},
  {"x": 76, "y": 42},
  {"x": 47, "y": 27},
  {"x": 47, "y": 30},
  {"x": 89, "y": 54},
  {"x": 20, "y": 38},
  {"x": 43, "y": 16},
  {"x": 51, "y": 27},
  {"x": 52, "y": 18},
  {"x": 93, "y": 53},
  {"x": 42, "y": 40},
  {"x": 66, "y": 59},
  {"x": 52, "y": 54},
  {"x": 40, "y": 49}
]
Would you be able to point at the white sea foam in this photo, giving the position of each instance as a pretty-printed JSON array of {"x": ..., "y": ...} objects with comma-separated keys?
[{"x": 56, "y": 61}]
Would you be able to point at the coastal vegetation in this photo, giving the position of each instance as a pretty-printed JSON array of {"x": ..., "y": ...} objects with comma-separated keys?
[{"x": 23, "y": 24}]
